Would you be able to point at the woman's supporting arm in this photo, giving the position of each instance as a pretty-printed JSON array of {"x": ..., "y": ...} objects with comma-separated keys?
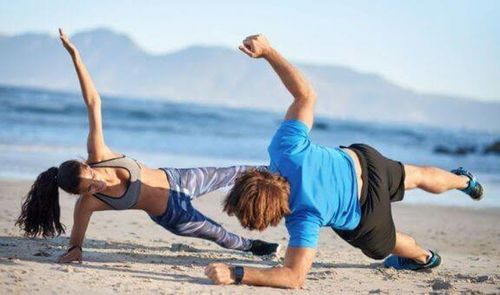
[{"x": 84, "y": 208}]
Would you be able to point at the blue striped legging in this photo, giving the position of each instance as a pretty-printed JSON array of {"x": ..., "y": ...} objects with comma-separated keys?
[{"x": 181, "y": 218}]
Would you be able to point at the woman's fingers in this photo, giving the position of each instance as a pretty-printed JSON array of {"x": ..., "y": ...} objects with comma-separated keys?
[{"x": 62, "y": 35}]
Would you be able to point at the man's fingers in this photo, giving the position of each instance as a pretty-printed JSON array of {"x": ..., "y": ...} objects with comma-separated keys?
[
  {"x": 246, "y": 51},
  {"x": 250, "y": 45},
  {"x": 254, "y": 36},
  {"x": 208, "y": 269}
]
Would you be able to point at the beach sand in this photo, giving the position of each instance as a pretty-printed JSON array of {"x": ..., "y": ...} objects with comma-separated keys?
[{"x": 125, "y": 252}]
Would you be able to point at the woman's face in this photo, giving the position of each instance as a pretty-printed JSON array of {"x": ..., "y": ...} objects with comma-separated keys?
[{"x": 90, "y": 181}]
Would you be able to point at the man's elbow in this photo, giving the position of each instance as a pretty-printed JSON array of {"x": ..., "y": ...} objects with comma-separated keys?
[
  {"x": 307, "y": 97},
  {"x": 312, "y": 95},
  {"x": 296, "y": 285},
  {"x": 297, "y": 281}
]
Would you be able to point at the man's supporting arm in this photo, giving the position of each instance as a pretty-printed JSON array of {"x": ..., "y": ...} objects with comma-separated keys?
[{"x": 292, "y": 274}]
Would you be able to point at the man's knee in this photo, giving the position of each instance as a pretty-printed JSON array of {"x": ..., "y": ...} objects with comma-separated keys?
[
  {"x": 376, "y": 254},
  {"x": 381, "y": 250}
]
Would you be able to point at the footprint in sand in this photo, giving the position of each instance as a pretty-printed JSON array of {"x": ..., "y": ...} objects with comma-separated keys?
[
  {"x": 439, "y": 285},
  {"x": 179, "y": 247}
]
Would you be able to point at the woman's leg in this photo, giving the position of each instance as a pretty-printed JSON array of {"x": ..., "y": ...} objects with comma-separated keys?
[
  {"x": 432, "y": 179},
  {"x": 183, "y": 219},
  {"x": 200, "y": 226},
  {"x": 199, "y": 181}
]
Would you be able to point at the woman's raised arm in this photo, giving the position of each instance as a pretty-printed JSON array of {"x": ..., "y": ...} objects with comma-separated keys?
[{"x": 96, "y": 146}]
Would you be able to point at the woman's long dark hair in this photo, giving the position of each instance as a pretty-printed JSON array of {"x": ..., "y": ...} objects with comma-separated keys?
[{"x": 40, "y": 211}]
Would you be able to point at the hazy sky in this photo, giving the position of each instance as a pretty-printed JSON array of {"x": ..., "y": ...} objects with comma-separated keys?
[{"x": 450, "y": 47}]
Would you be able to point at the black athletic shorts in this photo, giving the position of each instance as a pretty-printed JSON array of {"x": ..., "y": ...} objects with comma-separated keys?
[{"x": 383, "y": 183}]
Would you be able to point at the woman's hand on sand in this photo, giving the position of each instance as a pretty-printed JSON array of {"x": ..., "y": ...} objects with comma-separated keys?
[
  {"x": 219, "y": 273},
  {"x": 74, "y": 254},
  {"x": 255, "y": 46},
  {"x": 70, "y": 47}
]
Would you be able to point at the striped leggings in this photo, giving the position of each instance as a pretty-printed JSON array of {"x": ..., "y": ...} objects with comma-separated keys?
[{"x": 181, "y": 218}]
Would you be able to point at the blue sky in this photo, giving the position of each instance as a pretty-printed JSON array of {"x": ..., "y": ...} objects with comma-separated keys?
[{"x": 449, "y": 47}]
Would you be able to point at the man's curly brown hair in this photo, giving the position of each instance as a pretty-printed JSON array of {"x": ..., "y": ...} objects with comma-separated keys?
[{"x": 258, "y": 199}]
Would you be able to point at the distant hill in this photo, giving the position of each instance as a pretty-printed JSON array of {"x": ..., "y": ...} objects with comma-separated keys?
[{"x": 215, "y": 75}]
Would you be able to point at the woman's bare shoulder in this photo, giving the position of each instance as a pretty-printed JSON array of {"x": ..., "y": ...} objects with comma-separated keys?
[
  {"x": 103, "y": 156},
  {"x": 88, "y": 202}
]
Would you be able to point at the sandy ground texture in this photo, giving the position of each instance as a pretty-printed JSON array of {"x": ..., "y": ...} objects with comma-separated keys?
[{"x": 126, "y": 253}]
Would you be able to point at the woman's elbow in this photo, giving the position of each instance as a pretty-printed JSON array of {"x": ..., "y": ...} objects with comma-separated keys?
[{"x": 94, "y": 102}]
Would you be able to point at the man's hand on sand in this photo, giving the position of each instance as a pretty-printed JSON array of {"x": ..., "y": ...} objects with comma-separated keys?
[
  {"x": 74, "y": 254},
  {"x": 255, "y": 46},
  {"x": 219, "y": 273}
]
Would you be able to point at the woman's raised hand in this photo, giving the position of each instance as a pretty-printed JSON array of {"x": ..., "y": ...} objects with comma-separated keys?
[{"x": 67, "y": 43}]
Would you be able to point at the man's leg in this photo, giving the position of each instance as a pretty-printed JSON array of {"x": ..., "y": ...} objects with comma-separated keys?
[
  {"x": 407, "y": 247},
  {"x": 433, "y": 179}
]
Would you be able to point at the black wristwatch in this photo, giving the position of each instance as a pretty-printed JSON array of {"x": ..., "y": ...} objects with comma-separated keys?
[
  {"x": 74, "y": 247},
  {"x": 238, "y": 273}
]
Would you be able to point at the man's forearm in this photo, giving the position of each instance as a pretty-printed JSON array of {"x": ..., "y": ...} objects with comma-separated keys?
[
  {"x": 298, "y": 86},
  {"x": 281, "y": 277}
]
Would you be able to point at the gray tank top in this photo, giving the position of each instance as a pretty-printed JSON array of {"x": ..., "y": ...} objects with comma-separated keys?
[{"x": 131, "y": 195}]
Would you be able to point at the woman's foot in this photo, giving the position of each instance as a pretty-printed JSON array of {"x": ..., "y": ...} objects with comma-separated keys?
[
  {"x": 399, "y": 263},
  {"x": 474, "y": 189},
  {"x": 261, "y": 248}
]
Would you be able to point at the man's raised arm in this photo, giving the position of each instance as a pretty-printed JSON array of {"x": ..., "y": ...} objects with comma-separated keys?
[{"x": 302, "y": 108}]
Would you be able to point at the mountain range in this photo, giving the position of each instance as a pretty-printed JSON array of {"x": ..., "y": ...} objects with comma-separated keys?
[{"x": 222, "y": 76}]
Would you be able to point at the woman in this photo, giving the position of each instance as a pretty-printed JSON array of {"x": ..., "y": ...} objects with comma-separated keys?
[{"x": 111, "y": 181}]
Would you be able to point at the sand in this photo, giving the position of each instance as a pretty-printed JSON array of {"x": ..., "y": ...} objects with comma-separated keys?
[{"x": 126, "y": 253}]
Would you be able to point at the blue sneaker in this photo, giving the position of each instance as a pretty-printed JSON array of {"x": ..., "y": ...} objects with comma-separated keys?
[
  {"x": 400, "y": 263},
  {"x": 474, "y": 189}
]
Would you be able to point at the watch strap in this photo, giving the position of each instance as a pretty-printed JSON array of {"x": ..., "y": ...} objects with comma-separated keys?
[{"x": 74, "y": 247}]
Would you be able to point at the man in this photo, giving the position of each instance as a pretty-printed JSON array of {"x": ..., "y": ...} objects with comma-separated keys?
[{"x": 349, "y": 189}]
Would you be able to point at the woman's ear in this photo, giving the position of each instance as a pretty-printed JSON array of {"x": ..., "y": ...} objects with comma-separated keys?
[{"x": 86, "y": 169}]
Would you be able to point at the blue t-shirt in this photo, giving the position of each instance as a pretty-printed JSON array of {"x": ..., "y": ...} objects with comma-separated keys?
[{"x": 322, "y": 180}]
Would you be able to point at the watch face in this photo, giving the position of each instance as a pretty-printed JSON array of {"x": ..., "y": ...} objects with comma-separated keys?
[{"x": 238, "y": 274}]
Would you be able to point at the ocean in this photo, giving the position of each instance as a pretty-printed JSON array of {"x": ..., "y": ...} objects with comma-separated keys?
[{"x": 41, "y": 128}]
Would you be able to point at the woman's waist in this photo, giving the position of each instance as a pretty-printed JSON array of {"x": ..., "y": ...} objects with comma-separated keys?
[{"x": 152, "y": 199}]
